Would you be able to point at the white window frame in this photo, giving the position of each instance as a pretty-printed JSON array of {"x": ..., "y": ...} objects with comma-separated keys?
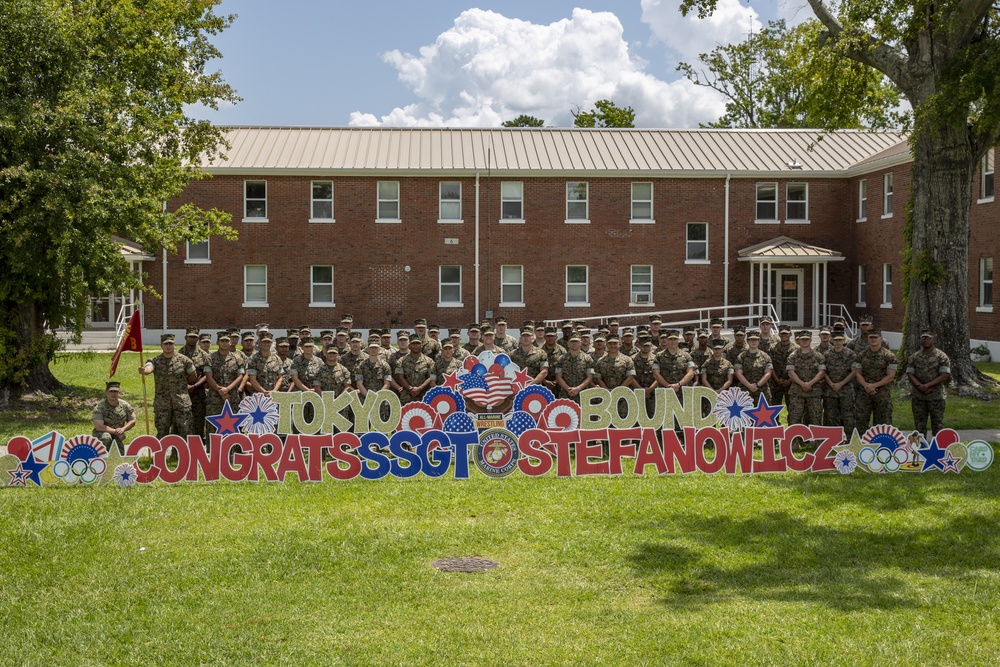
[
  {"x": 862, "y": 286},
  {"x": 688, "y": 241},
  {"x": 635, "y": 220},
  {"x": 313, "y": 302},
  {"x": 758, "y": 201},
  {"x": 641, "y": 287},
  {"x": 246, "y": 185},
  {"x": 984, "y": 306},
  {"x": 207, "y": 259},
  {"x": 444, "y": 219},
  {"x": 887, "y": 195},
  {"x": 576, "y": 220},
  {"x": 519, "y": 303},
  {"x": 379, "y": 200},
  {"x": 804, "y": 220},
  {"x": 507, "y": 198},
  {"x": 886, "y": 286},
  {"x": 313, "y": 201},
  {"x": 862, "y": 200},
  {"x": 987, "y": 178},
  {"x": 442, "y": 284},
  {"x": 247, "y": 303},
  {"x": 586, "y": 286}
]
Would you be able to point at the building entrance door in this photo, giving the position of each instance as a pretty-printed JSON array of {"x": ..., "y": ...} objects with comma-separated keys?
[{"x": 786, "y": 291}]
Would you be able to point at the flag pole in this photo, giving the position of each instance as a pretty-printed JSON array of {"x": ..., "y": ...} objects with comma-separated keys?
[{"x": 145, "y": 403}]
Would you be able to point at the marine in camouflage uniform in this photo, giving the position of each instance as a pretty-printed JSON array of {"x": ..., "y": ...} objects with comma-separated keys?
[
  {"x": 928, "y": 369},
  {"x": 768, "y": 337},
  {"x": 354, "y": 356},
  {"x": 504, "y": 340},
  {"x": 780, "y": 384},
  {"x": 172, "y": 373},
  {"x": 702, "y": 352},
  {"x": 754, "y": 368},
  {"x": 265, "y": 367},
  {"x": 415, "y": 371},
  {"x": 875, "y": 367},
  {"x": 333, "y": 375},
  {"x": 805, "y": 365},
  {"x": 118, "y": 416},
  {"x": 839, "y": 404},
  {"x": 553, "y": 351},
  {"x": 737, "y": 347},
  {"x": 429, "y": 347},
  {"x": 674, "y": 367},
  {"x": 373, "y": 374},
  {"x": 574, "y": 371},
  {"x": 225, "y": 369},
  {"x": 717, "y": 372},
  {"x": 534, "y": 361},
  {"x": 197, "y": 390},
  {"x": 443, "y": 365},
  {"x": 306, "y": 367},
  {"x": 615, "y": 369}
]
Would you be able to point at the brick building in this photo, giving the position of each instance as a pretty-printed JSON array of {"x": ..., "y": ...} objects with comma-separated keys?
[{"x": 449, "y": 224}]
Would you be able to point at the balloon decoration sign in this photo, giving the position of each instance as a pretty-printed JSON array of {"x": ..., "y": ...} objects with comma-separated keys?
[{"x": 487, "y": 417}]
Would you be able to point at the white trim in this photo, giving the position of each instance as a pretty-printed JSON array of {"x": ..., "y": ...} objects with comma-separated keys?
[
  {"x": 255, "y": 220},
  {"x": 687, "y": 241},
  {"x": 520, "y": 200},
  {"x": 984, "y": 309},
  {"x": 254, "y": 180},
  {"x": 322, "y": 305},
  {"x": 697, "y": 261},
  {"x": 324, "y": 221},
  {"x": 197, "y": 261},
  {"x": 247, "y": 304},
  {"x": 450, "y": 305},
  {"x": 504, "y": 304},
  {"x": 511, "y": 221},
  {"x": 641, "y": 221},
  {"x": 767, "y": 221},
  {"x": 586, "y": 284},
  {"x": 520, "y": 285},
  {"x": 886, "y": 306},
  {"x": 632, "y": 283},
  {"x": 888, "y": 194},
  {"x": 862, "y": 197},
  {"x": 577, "y": 305},
  {"x": 798, "y": 222},
  {"x": 757, "y": 201},
  {"x": 642, "y": 305},
  {"x": 886, "y": 216},
  {"x": 442, "y": 202},
  {"x": 254, "y": 304},
  {"x": 313, "y": 284},
  {"x": 576, "y": 221},
  {"x": 388, "y": 221},
  {"x": 861, "y": 220},
  {"x": 442, "y": 284},
  {"x": 586, "y": 202},
  {"x": 379, "y": 200},
  {"x": 313, "y": 200},
  {"x": 863, "y": 304},
  {"x": 451, "y": 222},
  {"x": 988, "y": 200},
  {"x": 633, "y": 200}
]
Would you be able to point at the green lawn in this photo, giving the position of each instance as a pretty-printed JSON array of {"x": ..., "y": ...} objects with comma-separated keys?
[{"x": 788, "y": 569}]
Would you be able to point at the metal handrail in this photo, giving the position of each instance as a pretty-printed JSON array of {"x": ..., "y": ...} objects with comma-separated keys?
[
  {"x": 701, "y": 316},
  {"x": 124, "y": 315}
]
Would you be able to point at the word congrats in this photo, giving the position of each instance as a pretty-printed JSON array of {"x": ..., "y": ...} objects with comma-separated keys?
[{"x": 524, "y": 429}]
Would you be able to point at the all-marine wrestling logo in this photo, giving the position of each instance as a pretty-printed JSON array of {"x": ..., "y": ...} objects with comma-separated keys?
[{"x": 497, "y": 453}]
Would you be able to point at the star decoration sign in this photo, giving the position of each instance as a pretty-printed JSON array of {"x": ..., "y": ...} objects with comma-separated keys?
[
  {"x": 765, "y": 415},
  {"x": 933, "y": 456},
  {"x": 228, "y": 422}
]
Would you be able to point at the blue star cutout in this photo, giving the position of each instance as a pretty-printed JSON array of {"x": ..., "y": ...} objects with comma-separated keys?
[
  {"x": 18, "y": 475},
  {"x": 33, "y": 468},
  {"x": 735, "y": 411},
  {"x": 932, "y": 456},
  {"x": 228, "y": 422},
  {"x": 765, "y": 415},
  {"x": 258, "y": 416}
]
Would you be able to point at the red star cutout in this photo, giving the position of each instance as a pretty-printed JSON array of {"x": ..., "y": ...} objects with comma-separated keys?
[
  {"x": 228, "y": 421},
  {"x": 521, "y": 379},
  {"x": 451, "y": 381}
]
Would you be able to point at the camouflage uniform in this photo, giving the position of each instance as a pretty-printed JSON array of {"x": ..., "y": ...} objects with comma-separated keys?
[
  {"x": 224, "y": 370},
  {"x": 533, "y": 362},
  {"x": 471, "y": 348},
  {"x": 754, "y": 365},
  {"x": 507, "y": 343},
  {"x": 431, "y": 348},
  {"x": 200, "y": 359},
  {"x": 673, "y": 367},
  {"x": 374, "y": 374},
  {"x": 335, "y": 378},
  {"x": 873, "y": 366},
  {"x": 286, "y": 373},
  {"x": 415, "y": 371},
  {"x": 733, "y": 351},
  {"x": 113, "y": 417},
  {"x": 350, "y": 361},
  {"x": 779, "y": 358},
  {"x": 307, "y": 370},
  {"x": 553, "y": 353},
  {"x": 717, "y": 372},
  {"x": 805, "y": 407},
  {"x": 171, "y": 402},
  {"x": 443, "y": 367},
  {"x": 574, "y": 370},
  {"x": 644, "y": 367},
  {"x": 614, "y": 371},
  {"x": 925, "y": 367},
  {"x": 700, "y": 356},
  {"x": 266, "y": 370},
  {"x": 839, "y": 407}
]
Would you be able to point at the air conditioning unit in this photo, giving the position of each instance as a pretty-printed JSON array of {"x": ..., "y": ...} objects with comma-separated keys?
[{"x": 640, "y": 297}]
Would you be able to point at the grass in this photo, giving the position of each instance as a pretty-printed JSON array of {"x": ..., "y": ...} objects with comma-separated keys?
[{"x": 782, "y": 569}]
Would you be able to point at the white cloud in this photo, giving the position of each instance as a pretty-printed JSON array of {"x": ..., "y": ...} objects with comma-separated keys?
[
  {"x": 691, "y": 36},
  {"x": 488, "y": 68}
]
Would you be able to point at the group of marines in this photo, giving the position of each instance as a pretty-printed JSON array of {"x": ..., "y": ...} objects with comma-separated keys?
[{"x": 839, "y": 382}]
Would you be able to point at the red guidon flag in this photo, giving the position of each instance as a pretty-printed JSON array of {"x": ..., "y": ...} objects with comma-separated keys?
[{"x": 131, "y": 341}]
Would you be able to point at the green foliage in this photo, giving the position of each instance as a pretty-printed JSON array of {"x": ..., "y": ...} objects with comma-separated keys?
[
  {"x": 605, "y": 114},
  {"x": 524, "y": 120},
  {"x": 94, "y": 137},
  {"x": 781, "y": 78}
]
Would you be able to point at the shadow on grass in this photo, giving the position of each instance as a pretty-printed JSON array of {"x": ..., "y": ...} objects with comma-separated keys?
[{"x": 778, "y": 557}]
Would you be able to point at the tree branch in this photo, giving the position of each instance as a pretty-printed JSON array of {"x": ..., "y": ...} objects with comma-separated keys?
[{"x": 870, "y": 51}]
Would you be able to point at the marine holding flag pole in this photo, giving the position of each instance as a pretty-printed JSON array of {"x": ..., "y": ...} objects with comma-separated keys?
[{"x": 131, "y": 341}]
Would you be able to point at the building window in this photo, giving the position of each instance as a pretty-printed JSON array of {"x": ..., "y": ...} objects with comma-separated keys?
[
  {"x": 321, "y": 286},
  {"x": 576, "y": 202},
  {"x": 887, "y": 195},
  {"x": 450, "y": 201},
  {"x": 512, "y": 285},
  {"x": 767, "y": 202},
  {"x": 388, "y": 201},
  {"x": 797, "y": 202},
  {"x": 511, "y": 201},
  {"x": 197, "y": 253},
  {"x": 642, "y": 285},
  {"x": 986, "y": 184},
  {"x": 642, "y": 202},
  {"x": 576, "y": 286},
  {"x": 697, "y": 243},
  {"x": 255, "y": 201},
  {"x": 322, "y": 201},
  {"x": 986, "y": 284},
  {"x": 887, "y": 285},
  {"x": 862, "y": 286},
  {"x": 862, "y": 200},
  {"x": 450, "y": 286},
  {"x": 255, "y": 285}
]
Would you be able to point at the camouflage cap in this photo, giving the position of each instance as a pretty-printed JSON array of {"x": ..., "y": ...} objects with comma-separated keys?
[
  {"x": 718, "y": 343},
  {"x": 281, "y": 340},
  {"x": 715, "y": 322},
  {"x": 927, "y": 333},
  {"x": 326, "y": 333},
  {"x": 420, "y": 322},
  {"x": 671, "y": 333},
  {"x": 767, "y": 319},
  {"x": 248, "y": 335},
  {"x": 192, "y": 331},
  {"x": 346, "y": 318},
  {"x": 753, "y": 334},
  {"x": 473, "y": 327},
  {"x": 112, "y": 386},
  {"x": 222, "y": 335},
  {"x": 167, "y": 338},
  {"x": 356, "y": 336},
  {"x": 266, "y": 336},
  {"x": 501, "y": 320},
  {"x": 655, "y": 319},
  {"x": 784, "y": 328},
  {"x": 740, "y": 329},
  {"x": 803, "y": 333},
  {"x": 702, "y": 333},
  {"x": 342, "y": 331},
  {"x": 205, "y": 336}
]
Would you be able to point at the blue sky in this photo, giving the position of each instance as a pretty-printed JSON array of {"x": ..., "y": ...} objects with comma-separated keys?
[{"x": 448, "y": 63}]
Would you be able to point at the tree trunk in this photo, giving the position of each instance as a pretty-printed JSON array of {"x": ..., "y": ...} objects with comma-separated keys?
[
  {"x": 941, "y": 199},
  {"x": 32, "y": 356}
]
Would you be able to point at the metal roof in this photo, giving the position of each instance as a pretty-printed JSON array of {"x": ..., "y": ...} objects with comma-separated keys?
[
  {"x": 549, "y": 150},
  {"x": 784, "y": 248}
]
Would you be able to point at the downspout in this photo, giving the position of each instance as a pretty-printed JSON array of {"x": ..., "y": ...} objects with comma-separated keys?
[
  {"x": 725, "y": 260},
  {"x": 164, "y": 289},
  {"x": 476, "y": 317}
]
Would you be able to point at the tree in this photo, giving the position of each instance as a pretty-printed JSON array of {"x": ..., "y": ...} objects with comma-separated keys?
[
  {"x": 94, "y": 137},
  {"x": 605, "y": 114},
  {"x": 944, "y": 56},
  {"x": 779, "y": 77},
  {"x": 524, "y": 120}
]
